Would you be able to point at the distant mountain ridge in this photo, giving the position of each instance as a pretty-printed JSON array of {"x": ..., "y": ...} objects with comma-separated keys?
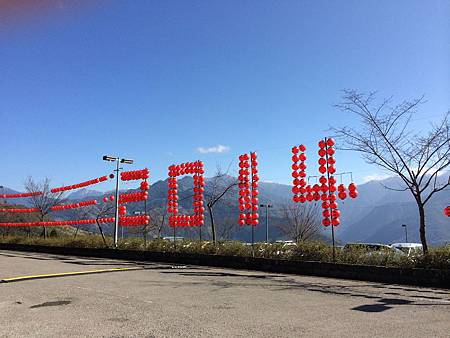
[{"x": 376, "y": 215}]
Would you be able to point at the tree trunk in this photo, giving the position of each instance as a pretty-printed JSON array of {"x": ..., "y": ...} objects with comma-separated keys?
[
  {"x": 423, "y": 237},
  {"x": 101, "y": 233},
  {"x": 213, "y": 226}
]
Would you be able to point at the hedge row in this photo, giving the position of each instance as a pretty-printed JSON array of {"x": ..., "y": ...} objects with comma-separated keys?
[{"x": 438, "y": 258}]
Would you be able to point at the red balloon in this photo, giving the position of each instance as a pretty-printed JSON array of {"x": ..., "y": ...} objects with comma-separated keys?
[
  {"x": 322, "y": 144},
  {"x": 326, "y": 213},
  {"x": 330, "y": 151},
  {"x": 302, "y": 148},
  {"x": 322, "y": 152},
  {"x": 302, "y": 157},
  {"x": 295, "y": 150},
  {"x": 352, "y": 187},
  {"x": 342, "y": 195},
  {"x": 336, "y": 221},
  {"x": 353, "y": 194},
  {"x": 326, "y": 222},
  {"x": 322, "y": 169},
  {"x": 302, "y": 199},
  {"x": 336, "y": 213}
]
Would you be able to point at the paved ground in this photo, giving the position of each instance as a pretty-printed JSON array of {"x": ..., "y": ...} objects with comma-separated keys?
[{"x": 160, "y": 300}]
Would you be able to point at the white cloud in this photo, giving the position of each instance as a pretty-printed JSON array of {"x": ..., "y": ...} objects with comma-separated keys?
[
  {"x": 374, "y": 177},
  {"x": 216, "y": 149}
]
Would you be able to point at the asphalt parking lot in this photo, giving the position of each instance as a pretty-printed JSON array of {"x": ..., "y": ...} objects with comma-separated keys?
[{"x": 113, "y": 298}]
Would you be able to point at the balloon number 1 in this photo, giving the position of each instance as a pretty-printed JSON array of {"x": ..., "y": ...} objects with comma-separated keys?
[{"x": 248, "y": 189}]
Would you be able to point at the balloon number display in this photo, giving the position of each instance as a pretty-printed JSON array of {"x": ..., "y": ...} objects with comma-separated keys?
[
  {"x": 198, "y": 218},
  {"x": 326, "y": 190},
  {"x": 248, "y": 189}
]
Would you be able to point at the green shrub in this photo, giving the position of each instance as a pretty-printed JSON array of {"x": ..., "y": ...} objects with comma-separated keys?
[{"x": 438, "y": 258}]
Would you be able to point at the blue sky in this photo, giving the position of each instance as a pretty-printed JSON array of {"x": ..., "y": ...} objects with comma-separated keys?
[{"x": 156, "y": 80}]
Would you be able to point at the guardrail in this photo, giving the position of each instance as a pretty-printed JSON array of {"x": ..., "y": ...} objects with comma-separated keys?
[{"x": 391, "y": 275}]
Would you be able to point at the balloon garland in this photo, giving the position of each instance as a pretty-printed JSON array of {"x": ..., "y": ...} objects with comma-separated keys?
[
  {"x": 21, "y": 195},
  {"x": 248, "y": 189},
  {"x": 81, "y": 185},
  {"x": 177, "y": 220},
  {"x": 124, "y": 220},
  {"x": 54, "y": 208},
  {"x": 135, "y": 175}
]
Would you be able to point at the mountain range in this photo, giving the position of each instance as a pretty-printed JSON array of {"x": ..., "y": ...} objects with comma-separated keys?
[{"x": 376, "y": 215}]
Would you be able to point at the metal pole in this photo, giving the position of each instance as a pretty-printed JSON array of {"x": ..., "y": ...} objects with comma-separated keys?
[
  {"x": 267, "y": 223},
  {"x": 253, "y": 236},
  {"x": 331, "y": 210},
  {"x": 116, "y": 219},
  {"x": 406, "y": 233},
  {"x": 174, "y": 241},
  {"x": 253, "y": 226}
]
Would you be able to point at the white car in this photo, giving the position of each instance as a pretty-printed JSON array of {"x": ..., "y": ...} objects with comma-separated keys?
[{"x": 408, "y": 248}]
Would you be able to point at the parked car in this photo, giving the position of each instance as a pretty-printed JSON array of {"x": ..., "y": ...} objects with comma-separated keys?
[
  {"x": 409, "y": 248},
  {"x": 371, "y": 248}
]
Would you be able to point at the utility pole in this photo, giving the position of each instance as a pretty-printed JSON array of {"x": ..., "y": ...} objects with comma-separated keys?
[
  {"x": 267, "y": 206},
  {"x": 406, "y": 232}
]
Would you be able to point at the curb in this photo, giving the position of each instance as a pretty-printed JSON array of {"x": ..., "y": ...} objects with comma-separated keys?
[{"x": 389, "y": 275}]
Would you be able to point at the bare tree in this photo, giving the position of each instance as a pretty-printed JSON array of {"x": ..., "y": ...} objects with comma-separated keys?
[
  {"x": 385, "y": 139},
  {"x": 98, "y": 211},
  {"x": 218, "y": 187},
  {"x": 300, "y": 221},
  {"x": 45, "y": 200},
  {"x": 228, "y": 227}
]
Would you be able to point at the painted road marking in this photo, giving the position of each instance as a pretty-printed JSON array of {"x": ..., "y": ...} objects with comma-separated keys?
[{"x": 63, "y": 274}]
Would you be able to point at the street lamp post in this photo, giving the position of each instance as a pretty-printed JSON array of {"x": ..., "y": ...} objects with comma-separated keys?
[
  {"x": 118, "y": 160},
  {"x": 267, "y": 206},
  {"x": 406, "y": 232}
]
